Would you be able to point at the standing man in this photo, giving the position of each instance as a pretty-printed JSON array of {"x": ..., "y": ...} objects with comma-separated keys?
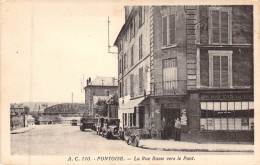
[{"x": 177, "y": 129}]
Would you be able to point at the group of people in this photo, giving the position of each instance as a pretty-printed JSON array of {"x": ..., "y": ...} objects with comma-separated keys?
[{"x": 167, "y": 131}]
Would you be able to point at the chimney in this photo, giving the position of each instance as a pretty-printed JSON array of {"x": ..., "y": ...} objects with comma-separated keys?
[{"x": 89, "y": 80}]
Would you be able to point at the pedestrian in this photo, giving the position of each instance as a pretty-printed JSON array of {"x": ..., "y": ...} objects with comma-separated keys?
[{"x": 177, "y": 126}]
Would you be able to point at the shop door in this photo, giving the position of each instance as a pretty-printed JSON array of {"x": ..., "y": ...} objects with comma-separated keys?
[{"x": 169, "y": 115}]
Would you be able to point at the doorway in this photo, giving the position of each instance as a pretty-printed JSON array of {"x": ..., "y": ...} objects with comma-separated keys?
[{"x": 168, "y": 118}]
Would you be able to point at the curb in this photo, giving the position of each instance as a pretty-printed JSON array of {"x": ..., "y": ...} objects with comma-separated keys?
[
  {"x": 18, "y": 132},
  {"x": 192, "y": 150}
]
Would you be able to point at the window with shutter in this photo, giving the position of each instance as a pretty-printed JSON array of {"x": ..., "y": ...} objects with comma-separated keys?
[
  {"x": 168, "y": 30},
  {"x": 143, "y": 14},
  {"x": 224, "y": 71},
  {"x": 132, "y": 55},
  {"x": 141, "y": 80},
  {"x": 132, "y": 28},
  {"x": 224, "y": 27},
  {"x": 140, "y": 47},
  {"x": 140, "y": 18},
  {"x": 216, "y": 71},
  {"x": 126, "y": 87},
  {"x": 164, "y": 31},
  {"x": 215, "y": 26},
  {"x": 220, "y": 68},
  {"x": 125, "y": 61},
  {"x": 169, "y": 75},
  {"x": 220, "y": 25},
  {"x": 172, "y": 28},
  {"x": 132, "y": 85}
]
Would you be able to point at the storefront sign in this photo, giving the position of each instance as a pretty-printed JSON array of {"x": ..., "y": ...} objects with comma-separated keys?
[
  {"x": 183, "y": 117},
  {"x": 171, "y": 105},
  {"x": 227, "y": 96}
]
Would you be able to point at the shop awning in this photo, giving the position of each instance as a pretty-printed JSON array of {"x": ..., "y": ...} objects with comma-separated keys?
[{"x": 129, "y": 106}]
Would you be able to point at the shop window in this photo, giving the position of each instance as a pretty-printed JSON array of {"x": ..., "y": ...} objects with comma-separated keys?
[
  {"x": 220, "y": 69},
  {"x": 220, "y": 25},
  {"x": 168, "y": 30},
  {"x": 227, "y": 115}
]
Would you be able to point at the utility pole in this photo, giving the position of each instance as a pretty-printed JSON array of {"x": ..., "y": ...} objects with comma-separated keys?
[
  {"x": 72, "y": 99},
  {"x": 108, "y": 22}
]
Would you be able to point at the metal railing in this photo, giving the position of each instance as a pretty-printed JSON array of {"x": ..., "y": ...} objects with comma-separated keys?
[{"x": 174, "y": 87}]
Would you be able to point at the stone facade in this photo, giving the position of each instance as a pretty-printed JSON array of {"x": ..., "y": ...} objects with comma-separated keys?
[{"x": 192, "y": 52}]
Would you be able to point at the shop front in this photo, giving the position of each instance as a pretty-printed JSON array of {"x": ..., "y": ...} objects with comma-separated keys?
[{"x": 222, "y": 116}]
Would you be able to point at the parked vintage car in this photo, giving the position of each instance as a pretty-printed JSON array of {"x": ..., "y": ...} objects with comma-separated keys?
[
  {"x": 74, "y": 122},
  {"x": 110, "y": 128},
  {"x": 88, "y": 123}
]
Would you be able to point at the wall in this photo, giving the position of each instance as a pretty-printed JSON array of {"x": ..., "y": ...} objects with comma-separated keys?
[
  {"x": 144, "y": 62},
  {"x": 242, "y": 66},
  {"x": 99, "y": 91},
  {"x": 178, "y": 51},
  {"x": 242, "y": 24}
]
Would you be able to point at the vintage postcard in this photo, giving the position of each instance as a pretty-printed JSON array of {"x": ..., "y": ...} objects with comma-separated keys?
[{"x": 129, "y": 82}]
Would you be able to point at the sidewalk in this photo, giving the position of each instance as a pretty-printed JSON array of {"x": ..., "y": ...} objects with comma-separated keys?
[
  {"x": 171, "y": 145},
  {"x": 22, "y": 130}
]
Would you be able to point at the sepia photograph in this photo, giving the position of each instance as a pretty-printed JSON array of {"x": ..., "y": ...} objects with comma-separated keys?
[{"x": 86, "y": 82}]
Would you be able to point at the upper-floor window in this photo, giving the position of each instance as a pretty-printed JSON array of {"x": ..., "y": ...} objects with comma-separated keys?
[
  {"x": 168, "y": 30},
  {"x": 141, "y": 83},
  {"x": 220, "y": 25},
  {"x": 220, "y": 68},
  {"x": 132, "y": 85},
  {"x": 169, "y": 75},
  {"x": 120, "y": 89},
  {"x": 120, "y": 46},
  {"x": 132, "y": 55},
  {"x": 125, "y": 61},
  {"x": 120, "y": 64},
  {"x": 132, "y": 28},
  {"x": 125, "y": 87},
  {"x": 141, "y": 16},
  {"x": 108, "y": 93},
  {"x": 140, "y": 47}
]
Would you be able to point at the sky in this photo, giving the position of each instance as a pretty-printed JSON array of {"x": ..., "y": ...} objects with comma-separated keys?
[{"x": 48, "y": 46}]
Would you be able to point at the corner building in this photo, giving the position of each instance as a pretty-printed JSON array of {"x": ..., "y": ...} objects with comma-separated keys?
[{"x": 191, "y": 62}]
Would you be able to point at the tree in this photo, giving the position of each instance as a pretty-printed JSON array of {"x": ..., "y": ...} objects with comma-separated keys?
[
  {"x": 26, "y": 110},
  {"x": 101, "y": 107}
]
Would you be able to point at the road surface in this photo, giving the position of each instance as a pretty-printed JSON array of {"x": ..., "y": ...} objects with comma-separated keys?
[{"x": 69, "y": 140}]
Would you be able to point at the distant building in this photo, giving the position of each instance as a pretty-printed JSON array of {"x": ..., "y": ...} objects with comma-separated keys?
[
  {"x": 17, "y": 116},
  {"x": 101, "y": 88},
  {"x": 16, "y": 109}
]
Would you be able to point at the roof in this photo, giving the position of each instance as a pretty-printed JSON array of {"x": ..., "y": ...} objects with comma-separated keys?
[
  {"x": 104, "y": 81},
  {"x": 16, "y": 105}
]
